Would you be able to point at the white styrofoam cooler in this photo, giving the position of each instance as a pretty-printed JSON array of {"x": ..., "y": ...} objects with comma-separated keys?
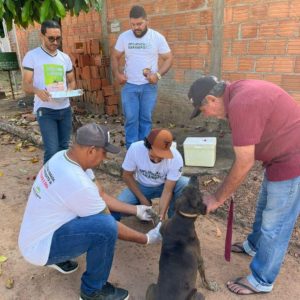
[{"x": 200, "y": 151}]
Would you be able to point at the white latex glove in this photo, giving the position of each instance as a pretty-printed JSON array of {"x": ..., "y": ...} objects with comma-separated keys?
[
  {"x": 142, "y": 214},
  {"x": 154, "y": 236}
]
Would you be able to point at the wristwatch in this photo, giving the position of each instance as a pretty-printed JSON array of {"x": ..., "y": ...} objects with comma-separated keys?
[{"x": 158, "y": 75}]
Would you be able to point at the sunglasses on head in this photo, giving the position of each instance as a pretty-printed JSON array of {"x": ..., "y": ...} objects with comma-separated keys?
[{"x": 52, "y": 39}]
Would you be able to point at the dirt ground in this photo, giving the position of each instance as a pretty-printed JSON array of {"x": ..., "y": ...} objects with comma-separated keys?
[{"x": 135, "y": 266}]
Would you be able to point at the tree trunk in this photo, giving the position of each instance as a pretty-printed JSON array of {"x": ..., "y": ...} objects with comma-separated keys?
[{"x": 22, "y": 133}]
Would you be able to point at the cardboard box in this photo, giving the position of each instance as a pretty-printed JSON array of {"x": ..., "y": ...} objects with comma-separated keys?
[{"x": 200, "y": 151}]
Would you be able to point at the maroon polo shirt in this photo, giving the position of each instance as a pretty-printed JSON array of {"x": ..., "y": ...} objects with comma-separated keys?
[{"x": 260, "y": 113}]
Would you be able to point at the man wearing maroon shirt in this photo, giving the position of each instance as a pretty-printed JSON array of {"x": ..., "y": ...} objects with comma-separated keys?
[{"x": 265, "y": 125}]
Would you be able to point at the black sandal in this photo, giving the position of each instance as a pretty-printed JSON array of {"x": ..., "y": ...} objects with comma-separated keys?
[{"x": 240, "y": 286}]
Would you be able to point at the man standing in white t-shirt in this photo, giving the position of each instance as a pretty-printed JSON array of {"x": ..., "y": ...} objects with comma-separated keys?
[
  {"x": 152, "y": 169},
  {"x": 67, "y": 214},
  {"x": 142, "y": 47},
  {"x": 47, "y": 69}
]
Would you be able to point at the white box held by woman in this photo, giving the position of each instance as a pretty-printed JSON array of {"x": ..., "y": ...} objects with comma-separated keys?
[{"x": 200, "y": 151}]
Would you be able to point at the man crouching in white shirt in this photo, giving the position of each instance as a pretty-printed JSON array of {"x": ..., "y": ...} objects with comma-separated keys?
[
  {"x": 67, "y": 215},
  {"x": 152, "y": 169}
]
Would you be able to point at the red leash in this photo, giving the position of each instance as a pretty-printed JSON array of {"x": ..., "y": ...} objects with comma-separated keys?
[{"x": 228, "y": 239}]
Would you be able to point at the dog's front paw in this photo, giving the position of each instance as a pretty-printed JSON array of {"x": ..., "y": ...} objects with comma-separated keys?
[{"x": 153, "y": 215}]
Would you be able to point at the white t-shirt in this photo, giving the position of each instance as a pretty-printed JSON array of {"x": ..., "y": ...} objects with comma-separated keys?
[
  {"x": 49, "y": 72},
  {"x": 148, "y": 173},
  {"x": 141, "y": 53},
  {"x": 61, "y": 192}
]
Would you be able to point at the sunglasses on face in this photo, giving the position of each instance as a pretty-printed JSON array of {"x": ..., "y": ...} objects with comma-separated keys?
[{"x": 52, "y": 39}]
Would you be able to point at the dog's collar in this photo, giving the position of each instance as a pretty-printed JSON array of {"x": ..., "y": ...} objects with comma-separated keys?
[{"x": 188, "y": 215}]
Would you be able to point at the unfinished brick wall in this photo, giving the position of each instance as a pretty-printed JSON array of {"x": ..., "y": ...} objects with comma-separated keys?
[
  {"x": 92, "y": 75},
  {"x": 262, "y": 41},
  {"x": 80, "y": 29},
  {"x": 27, "y": 39},
  {"x": 74, "y": 29}
]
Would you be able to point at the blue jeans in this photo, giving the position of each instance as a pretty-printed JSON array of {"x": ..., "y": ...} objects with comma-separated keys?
[
  {"x": 138, "y": 102},
  {"x": 277, "y": 210},
  {"x": 153, "y": 192},
  {"x": 56, "y": 129},
  {"x": 96, "y": 236}
]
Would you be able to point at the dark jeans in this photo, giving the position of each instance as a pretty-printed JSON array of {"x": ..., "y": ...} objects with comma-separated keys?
[
  {"x": 94, "y": 235},
  {"x": 56, "y": 128}
]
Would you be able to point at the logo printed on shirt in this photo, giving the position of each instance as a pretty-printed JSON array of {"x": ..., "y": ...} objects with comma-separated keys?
[
  {"x": 133, "y": 45},
  {"x": 43, "y": 180},
  {"x": 151, "y": 175},
  {"x": 54, "y": 77},
  {"x": 49, "y": 176},
  {"x": 46, "y": 176},
  {"x": 37, "y": 190}
]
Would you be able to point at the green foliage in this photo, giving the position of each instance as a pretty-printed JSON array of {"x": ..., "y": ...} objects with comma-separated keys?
[{"x": 26, "y": 12}]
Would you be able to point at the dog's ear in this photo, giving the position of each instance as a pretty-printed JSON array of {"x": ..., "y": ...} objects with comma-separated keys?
[
  {"x": 194, "y": 180},
  {"x": 203, "y": 207},
  {"x": 187, "y": 201},
  {"x": 191, "y": 199},
  {"x": 163, "y": 227},
  {"x": 198, "y": 199}
]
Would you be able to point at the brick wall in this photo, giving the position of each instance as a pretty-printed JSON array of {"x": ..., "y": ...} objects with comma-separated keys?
[
  {"x": 74, "y": 29},
  {"x": 262, "y": 41},
  {"x": 80, "y": 29},
  {"x": 27, "y": 39}
]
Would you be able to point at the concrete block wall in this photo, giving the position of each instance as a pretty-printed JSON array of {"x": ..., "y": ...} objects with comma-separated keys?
[{"x": 261, "y": 40}]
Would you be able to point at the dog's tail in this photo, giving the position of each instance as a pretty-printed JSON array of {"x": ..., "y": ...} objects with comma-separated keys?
[{"x": 151, "y": 292}]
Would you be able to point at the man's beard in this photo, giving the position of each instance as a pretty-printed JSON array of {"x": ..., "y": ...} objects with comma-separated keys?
[{"x": 140, "y": 33}]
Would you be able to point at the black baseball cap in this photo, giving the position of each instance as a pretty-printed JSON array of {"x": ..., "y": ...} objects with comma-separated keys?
[
  {"x": 93, "y": 134},
  {"x": 199, "y": 90}
]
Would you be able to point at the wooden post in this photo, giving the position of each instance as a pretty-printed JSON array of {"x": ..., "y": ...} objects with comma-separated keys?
[{"x": 11, "y": 86}]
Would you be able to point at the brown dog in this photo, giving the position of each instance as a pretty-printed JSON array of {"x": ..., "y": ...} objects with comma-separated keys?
[{"x": 180, "y": 257}]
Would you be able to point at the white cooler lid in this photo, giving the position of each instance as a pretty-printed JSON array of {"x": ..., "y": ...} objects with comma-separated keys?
[{"x": 200, "y": 141}]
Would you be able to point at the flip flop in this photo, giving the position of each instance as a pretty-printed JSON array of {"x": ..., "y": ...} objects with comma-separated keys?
[
  {"x": 242, "y": 288},
  {"x": 238, "y": 248}
]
